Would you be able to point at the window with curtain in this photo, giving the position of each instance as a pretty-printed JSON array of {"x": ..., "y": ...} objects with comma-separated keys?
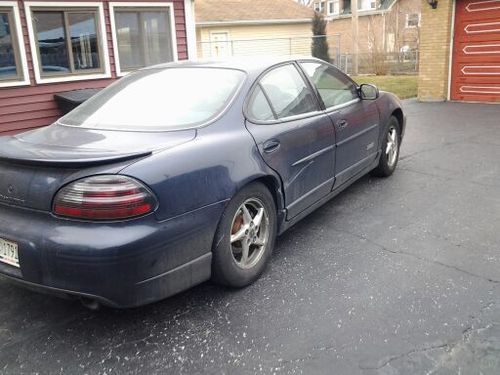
[
  {"x": 67, "y": 41},
  {"x": 319, "y": 6},
  {"x": 412, "y": 20},
  {"x": 334, "y": 7},
  {"x": 367, "y": 4},
  {"x": 143, "y": 36},
  {"x": 10, "y": 69}
]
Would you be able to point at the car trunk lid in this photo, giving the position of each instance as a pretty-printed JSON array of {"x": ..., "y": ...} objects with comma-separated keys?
[{"x": 34, "y": 165}]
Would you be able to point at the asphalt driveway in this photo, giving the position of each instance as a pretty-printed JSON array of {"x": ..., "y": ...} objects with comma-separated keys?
[{"x": 394, "y": 276}]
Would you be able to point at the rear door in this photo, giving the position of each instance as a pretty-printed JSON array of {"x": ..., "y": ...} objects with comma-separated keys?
[
  {"x": 294, "y": 136},
  {"x": 356, "y": 121}
]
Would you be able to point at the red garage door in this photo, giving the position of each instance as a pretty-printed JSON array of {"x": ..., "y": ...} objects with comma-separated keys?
[{"x": 476, "y": 51}]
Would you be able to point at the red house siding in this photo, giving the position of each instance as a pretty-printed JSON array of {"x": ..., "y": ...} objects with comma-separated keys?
[{"x": 32, "y": 106}]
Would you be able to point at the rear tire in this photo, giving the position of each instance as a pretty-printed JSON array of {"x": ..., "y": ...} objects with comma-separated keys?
[
  {"x": 245, "y": 237},
  {"x": 390, "y": 149}
]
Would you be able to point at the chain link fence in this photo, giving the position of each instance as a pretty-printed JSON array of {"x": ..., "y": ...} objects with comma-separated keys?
[
  {"x": 381, "y": 63},
  {"x": 394, "y": 63}
]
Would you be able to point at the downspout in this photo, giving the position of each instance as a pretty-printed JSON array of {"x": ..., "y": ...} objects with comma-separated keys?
[
  {"x": 190, "y": 29},
  {"x": 384, "y": 47},
  {"x": 355, "y": 33},
  {"x": 397, "y": 38}
]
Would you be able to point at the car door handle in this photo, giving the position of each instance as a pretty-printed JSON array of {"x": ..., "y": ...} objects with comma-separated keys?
[
  {"x": 341, "y": 124},
  {"x": 271, "y": 145}
]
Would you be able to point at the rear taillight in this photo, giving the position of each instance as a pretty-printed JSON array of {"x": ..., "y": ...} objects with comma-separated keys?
[{"x": 104, "y": 198}]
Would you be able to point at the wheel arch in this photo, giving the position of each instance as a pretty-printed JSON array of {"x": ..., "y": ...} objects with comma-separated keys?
[
  {"x": 274, "y": 187},
  {"x": 272, "y": 183},
  {"x": 398, "y": 114}
]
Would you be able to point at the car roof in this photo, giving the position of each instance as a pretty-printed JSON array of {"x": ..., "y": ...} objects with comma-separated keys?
[{"x": 248, "y": 64}]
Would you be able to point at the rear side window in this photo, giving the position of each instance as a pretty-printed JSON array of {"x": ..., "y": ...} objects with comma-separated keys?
[
  {"x": 288, "y": 93},
  {"x": 258, "y": 107},
  {"x": 333, "y": 86}
]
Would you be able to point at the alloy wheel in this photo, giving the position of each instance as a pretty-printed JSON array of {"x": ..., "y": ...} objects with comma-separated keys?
[
  {"x": 249, "y": 233},
  {"x": 392, "y": 147}
]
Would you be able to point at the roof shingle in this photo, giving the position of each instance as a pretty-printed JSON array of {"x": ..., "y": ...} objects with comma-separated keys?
[{"x": 249, "y": 10}]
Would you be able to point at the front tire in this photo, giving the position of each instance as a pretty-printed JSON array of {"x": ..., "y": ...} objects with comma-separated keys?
[
  {"x": 390, "y": 149},
  {"x": 245, "y": 237}
]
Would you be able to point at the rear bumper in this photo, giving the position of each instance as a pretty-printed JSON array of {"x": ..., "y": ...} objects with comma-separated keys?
[
  {"x": 147, "y": 291},
  {"x": 122, "y": 264}
]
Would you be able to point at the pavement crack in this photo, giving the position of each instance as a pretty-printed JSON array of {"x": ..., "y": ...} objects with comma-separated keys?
[
  {"x": 314, "y": 353},
  {"x": 449, "y": 347},
  {"x": 446, "y": 178},
  {"x": 423, "y": 259},
  {"x": 387, "y": 360},
  {"x": 453, "y": 348},
  {"x": 283, "y": 364},
  {"x": 430, "y": 149},
  {"x": 472, "y": 138},
  {"x": 34, "y": 333}
]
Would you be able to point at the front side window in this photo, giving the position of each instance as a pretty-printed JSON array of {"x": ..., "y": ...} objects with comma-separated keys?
[
  {"x": 288, "y": 93},
  {"x": 10, "y": 64},
  {"x": 334, "y": 88},
  {"x": 159, "y": 100},
  {"x": 67, "y": 41},
  {"x": 143, "y": 37}
]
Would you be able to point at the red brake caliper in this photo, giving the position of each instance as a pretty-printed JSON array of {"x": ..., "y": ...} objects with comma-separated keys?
[{"x": 238, "y": 222}]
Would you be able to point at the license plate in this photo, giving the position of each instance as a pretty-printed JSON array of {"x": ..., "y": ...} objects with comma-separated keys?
[{"x": 9, "y": 252}]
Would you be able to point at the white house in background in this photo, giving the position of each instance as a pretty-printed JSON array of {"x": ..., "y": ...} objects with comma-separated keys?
[{"x": 252, "y": 27}]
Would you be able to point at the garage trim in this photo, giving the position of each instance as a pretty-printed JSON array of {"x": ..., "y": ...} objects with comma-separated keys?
[{"x": 452, "y": 43}]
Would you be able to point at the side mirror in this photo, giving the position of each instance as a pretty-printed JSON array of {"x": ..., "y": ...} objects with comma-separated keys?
[{"x": 368, "y": 92}]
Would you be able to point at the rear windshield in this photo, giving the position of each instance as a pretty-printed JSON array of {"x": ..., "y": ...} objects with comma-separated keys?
[{"x": 159, "y": 100}]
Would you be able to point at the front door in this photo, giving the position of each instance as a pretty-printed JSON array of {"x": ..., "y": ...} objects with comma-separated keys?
[
  {"x": 220, "y": 44},
  {"x": 356, "y": 121},
  {"x": 294, "y": 137}
]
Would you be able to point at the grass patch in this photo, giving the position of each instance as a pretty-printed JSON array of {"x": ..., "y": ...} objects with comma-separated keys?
[{"x": 403, "y": 86}]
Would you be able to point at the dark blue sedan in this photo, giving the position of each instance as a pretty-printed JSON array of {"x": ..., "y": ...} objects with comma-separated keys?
[{"x": 185, "y": 172}]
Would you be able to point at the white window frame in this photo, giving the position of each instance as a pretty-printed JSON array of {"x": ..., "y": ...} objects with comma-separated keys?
[
  {"x": 190, "y": 29},
  {"x": 102, "y": 33},
  {"x": 408, "y": 20},
  {"x": 373, "y": 6},
  {"x": 19, "y": 37},
  {"x": 320, "y": 6},
  {"x": 140, "y": 5},
  {"x": 328, "y": 7}
]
